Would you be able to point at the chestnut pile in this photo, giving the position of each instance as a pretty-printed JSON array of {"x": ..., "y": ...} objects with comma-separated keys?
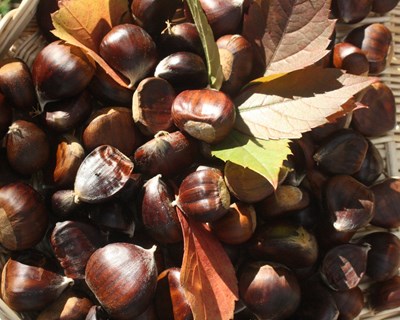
[{"x": 92, "y": 174}]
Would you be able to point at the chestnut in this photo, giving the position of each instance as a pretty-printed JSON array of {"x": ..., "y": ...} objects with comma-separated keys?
[
  {"x": 64, "y": 205},
  {"x": 151, "y": 106},
  {"x": 350, "y": 58},
  {"x": 344, "y": 266},
  {"x": 123, "y": 277},
  {"x": 376, "y": 41},
  {"x": 29, "y": 281},
  {"x": 73, "y": 242},
  {"x": 28, "y": 148},
  {"x": 342, "y": 152},
  {"x": 184, "y": 70},
  {"x": 166, "y": 154},
  {"x": 158, "y": 213},
  {"x": 237, "y": 226},
  {"x": 350, "y": 302},
  {"x": 384, "y": 295},
  {"x": 111, "y": 126},
  {"x": 61, "y": 71},
  {"x": 23, "y": 215},
  {"x": 372, "y": 167},
  {"x": 203, "y": 195},
  {"x": 207, "y": 115},
  {"x": 130, "y": 50},
  {"x": 236, "y": 55},
  {"x": 384, "y": 256},
  {"x": 17, "y": 85},
  {"x": 269, "y": 290},
  {"x": 351, "y": 11},
  {"x": 383, "y": 6},
  {"x": 381, "y": 104},
  {"x": 387, "y": 209}
]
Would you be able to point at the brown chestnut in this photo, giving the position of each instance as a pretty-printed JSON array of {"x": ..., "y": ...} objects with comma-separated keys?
[
  {"x": 23, "y": 216},
  {"x": 61, "y": 71},
  {"x": 29, "y": 282},
  {"x": 351, "y": 11},
  {"x": 350, "y": 302},
  {"x": 130, "y": 50},
  {"x": 151, "y": 106},
  {"x": 384, "y": 6},
  {"x": 204, "y": 196},
  {"x": 350, "y": 58},
  {"x": 372, "y": 167},
  {"x": 123, "y": 277},
  {"x": 28, "y": 148},
  {"x": 384, "y": 295},
  {"x": 207, "y": 115}
]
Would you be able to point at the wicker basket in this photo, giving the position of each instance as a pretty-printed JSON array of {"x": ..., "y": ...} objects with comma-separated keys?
[{"x": 19, "y": 37}]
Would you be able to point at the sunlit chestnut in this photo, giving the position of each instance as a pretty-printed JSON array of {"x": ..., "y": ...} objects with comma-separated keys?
[
  {"x": 342, "y": 153},
  {"x": 61, "y": 71},
  {"x": 236, "y": 55},
  {"x": 170, "y": 300},
  {"x": 71, "y": 304},
  {"x": 23, "y": 215},
  {"x": 102, "y": 173},
  {"x": 387, "y": 208},
  {"x": 349, "y": 203},
  {"x": 130, "y": 50},
  {"x": 17, "y": 85},
  {"x": 184, "y": 70},
  {"x": 262, "y": 287},
  {"x": 350, "y": 302},
  {"x": 180, "y": 37},
  {"x": 166, "y": 154},
  {"x": 384, "y": 295},
  {"x": 344, "y": 266},
  {"x": 151, "y": 106},
  {"x": 384, "y": 6},
  {"x": 123, "y": 277},
  {"x": 28, "y": 148},
  {"x": 284, "y": 242},
  {"x": 207, "y": 115},
  {"x": 376, "y": 41},
  {"x": 6, "y": 115},
  {"x": 380, "y": 102},
  {"x": 66, "y": 114},
  {"x": 384, "y": 256},
  {"x": 158, "y": 213},
  {"x": 237, "y": 226},
  {"x": 112, "y": 126},
  {"x": 30, "y": 281},
  {"x": 204, "y": 196},
  {"x": 351, "y": 11},
  {"x": 152, "y": 15},
  {"x": 73, "y": 242},
  {"x": 350, "y": 58}
]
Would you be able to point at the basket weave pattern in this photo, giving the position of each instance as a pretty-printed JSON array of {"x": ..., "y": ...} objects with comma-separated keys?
[{"x": 20, "y": 37}]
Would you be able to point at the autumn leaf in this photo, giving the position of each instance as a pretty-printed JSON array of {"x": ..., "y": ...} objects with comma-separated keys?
[
  {"x": 287, "y": 106},
  {"x": 207, "y": 274},
  {"x": 211, "y": 51},
  {"x": 84, "y": 23},
  {"x": 262, "y": 156},
  {"x": 289, "y": 34}
]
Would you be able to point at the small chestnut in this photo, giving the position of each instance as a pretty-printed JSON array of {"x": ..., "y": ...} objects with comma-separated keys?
[{"x": 350, "y": 58}]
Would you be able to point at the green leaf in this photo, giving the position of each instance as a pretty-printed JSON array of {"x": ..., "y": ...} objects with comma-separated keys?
[
  {"x": 211, "y": 51},
  {"x": 263, "y": 156}
]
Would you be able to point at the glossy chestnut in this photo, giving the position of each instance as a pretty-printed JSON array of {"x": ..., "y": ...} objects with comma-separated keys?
[{"x": 350, "y": 58}]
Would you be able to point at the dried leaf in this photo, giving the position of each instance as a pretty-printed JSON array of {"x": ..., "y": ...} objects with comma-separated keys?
[
  {"x": 84, "y": 23},
  {"x": 207, "y": 274},
  {"x": 262, "y": 156},
  {"x": 295, "y": 103},
  {"x": 211, "y": 51},
  {"x": 296, "y": 32}
]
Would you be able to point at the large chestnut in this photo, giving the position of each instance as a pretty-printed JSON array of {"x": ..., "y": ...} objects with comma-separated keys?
[
  {"x": 61, "y": 71},
  {"x": 123, "y": 277},
  {"x": 23, "y": 216},
  {"x": 130, "y": 50},
  {"x": 207, "y": 114}
]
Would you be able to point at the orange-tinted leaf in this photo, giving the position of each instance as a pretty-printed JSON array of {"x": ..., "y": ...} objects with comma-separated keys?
[
  {"x": 295, "y": 103},
  {"x": 296, "y": 32},
  {"x": 207, "y": 274},
  {"x": 84, "y": 23}
]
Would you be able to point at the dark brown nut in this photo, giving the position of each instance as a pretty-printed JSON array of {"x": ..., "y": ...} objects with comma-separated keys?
[
  {"x": 6, "y": 116},
  {"x": 351, "y": 11},
  {"x": 350, "y": 303},
  {"x": 350, "y": 58},
  {"x": 204, "y": 196},
  {"x": 372, "y": 167},
  {"x": 383, "y": 6},
  {"x": 384, "y": 295},
  {"x": 207, "y": 115}
]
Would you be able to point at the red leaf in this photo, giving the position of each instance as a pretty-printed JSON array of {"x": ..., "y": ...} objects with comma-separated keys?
[
  {"x": 207, "y": 274},
  {"x": 296, "y": 34}
]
